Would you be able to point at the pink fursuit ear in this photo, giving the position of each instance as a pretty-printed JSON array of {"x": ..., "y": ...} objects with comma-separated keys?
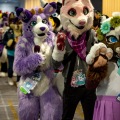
[{"x": 63, "y": 2}]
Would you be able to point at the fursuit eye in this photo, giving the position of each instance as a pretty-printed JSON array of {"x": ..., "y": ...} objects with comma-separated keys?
[
  {"x": 33, "y": 23},
  {"x": 72, "y": 12},
  {"x": 54, "y": 14},
  {"x": 44, "y": 21},
  {"x": 112, "y": 39},
  {"x": 85, "y": 11}
]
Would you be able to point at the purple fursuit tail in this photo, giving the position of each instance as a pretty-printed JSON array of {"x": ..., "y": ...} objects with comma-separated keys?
[{"x": 107, "y": 108}]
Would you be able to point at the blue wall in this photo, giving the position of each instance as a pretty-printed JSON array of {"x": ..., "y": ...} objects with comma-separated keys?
[
  {"x": 22, "y": 3},
  {"x": 9, "y": 7}
]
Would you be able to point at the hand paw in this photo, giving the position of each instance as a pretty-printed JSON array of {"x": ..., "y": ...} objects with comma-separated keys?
[
  {"x": 16, "y": 39},
  {"x": 43, "y": 57},
  {"x": 101, "y": 61},
  {"x": 9, "y": 43},
  {"x": 61, "y": 37},
  {"x": 99, "y": 55}
]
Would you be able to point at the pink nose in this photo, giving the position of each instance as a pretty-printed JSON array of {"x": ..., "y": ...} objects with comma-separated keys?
[{"x": 82, "y": 22}]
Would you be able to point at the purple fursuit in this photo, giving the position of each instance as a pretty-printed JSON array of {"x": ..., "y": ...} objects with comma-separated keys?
[{"x": 33, "y": 51}]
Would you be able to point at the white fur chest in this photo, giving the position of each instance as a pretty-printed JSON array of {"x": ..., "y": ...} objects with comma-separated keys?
[
  {"x": 111, "y": 84},
  {"x": 46, "y": 50},
  {"x": 42, "y": 86}
]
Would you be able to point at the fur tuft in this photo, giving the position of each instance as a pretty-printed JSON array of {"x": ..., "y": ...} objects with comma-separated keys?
[
  {"x": 97, "y": 74},
  {"x": 115, "y": 14}
]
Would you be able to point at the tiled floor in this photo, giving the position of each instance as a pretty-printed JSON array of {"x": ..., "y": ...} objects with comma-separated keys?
[{"x": 9, "y": 102}]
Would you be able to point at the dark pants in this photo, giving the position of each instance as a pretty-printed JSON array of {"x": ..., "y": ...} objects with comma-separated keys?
[
  {"x": 4, "y": 67},
  {"x": 71, "y": 98},
  {"x": 18, "y": 78},
  {"x": 10, "y": 66}
]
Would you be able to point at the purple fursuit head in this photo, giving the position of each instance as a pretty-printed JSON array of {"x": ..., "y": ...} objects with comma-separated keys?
[{"x": 33, "y": 51}]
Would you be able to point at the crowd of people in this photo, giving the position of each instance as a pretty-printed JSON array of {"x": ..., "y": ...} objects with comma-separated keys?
[{"x": 10, "y": 31}]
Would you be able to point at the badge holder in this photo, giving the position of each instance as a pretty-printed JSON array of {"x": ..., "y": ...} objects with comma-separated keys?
[
  {"x": 118, "y": 63},
  {"x": 118, "y": 97},
  {"x": 30, "y": 83},
  {"x": 78, "y": 78}
]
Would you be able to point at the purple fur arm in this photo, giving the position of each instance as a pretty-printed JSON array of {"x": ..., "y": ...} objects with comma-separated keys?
[{"x": 26, "y": 61}]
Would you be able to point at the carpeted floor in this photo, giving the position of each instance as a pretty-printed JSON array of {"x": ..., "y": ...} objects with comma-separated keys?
[{"x": 9, "y": 102}]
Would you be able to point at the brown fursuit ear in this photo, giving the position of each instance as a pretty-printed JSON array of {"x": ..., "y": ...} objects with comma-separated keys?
[
  {"x": 33, "y": 11},
  {"x": 40, "y": 10}
]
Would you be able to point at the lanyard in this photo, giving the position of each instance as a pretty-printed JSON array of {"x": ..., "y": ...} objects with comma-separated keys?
[{"x": 78, "y": 62}]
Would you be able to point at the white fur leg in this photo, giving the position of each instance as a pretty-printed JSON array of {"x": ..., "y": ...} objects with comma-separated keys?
[
  {"x": 3, "y": 58},
  {"x": 59, "y": 83}
]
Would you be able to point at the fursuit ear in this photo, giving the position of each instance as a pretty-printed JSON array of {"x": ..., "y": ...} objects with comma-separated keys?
[
  {"x": 60, "y": 1},
  {"x": 50, "y": 9},
  {"x": 40, "y": 10},
  {"x": 43, "y": 3},
  {"x": 23, "y": 14},
  {"x": 89, "y": 3},
  {"x": 33, "y": 11}
]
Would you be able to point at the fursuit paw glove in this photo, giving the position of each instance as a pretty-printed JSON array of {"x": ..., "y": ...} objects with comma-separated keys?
[
  {"x": 61, "y": 37},
  {"x": 43, "y": 59},
  {"x": 97, "y": 60},
  {"x": 37, "y": 50},
  {"x": 9, "y": 43},
  {"x": 59, "y": 48}
]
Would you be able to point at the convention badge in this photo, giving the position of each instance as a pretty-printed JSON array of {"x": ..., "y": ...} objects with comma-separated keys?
[
  {"x": 28, "y": 85},
  {"x": 118, "y": 71},
  {"x": 118, "y": 63},
  {"x": 78, "y": 78},
  {"x": 118, "y": 97}
]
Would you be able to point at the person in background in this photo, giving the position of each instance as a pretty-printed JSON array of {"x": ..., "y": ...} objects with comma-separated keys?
[
  {"x": 10, "y": 39},
  {"x": 9, "y": 42}
]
